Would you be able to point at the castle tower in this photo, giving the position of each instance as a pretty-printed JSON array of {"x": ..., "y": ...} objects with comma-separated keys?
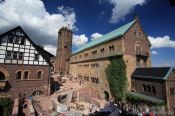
[{"x": 64, "y": 50}]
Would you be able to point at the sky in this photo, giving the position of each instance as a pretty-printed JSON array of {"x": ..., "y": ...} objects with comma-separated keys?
[{"x": 90, "y": 19}]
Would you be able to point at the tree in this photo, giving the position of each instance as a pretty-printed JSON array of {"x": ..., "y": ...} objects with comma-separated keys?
[{"x": 116, "y": 76}]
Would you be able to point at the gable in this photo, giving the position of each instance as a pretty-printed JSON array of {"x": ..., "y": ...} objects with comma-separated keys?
[
  {"x": 133, "y": 36},
  {"x": 17, "y": 48},
  {"x": 171, "y": 76}
]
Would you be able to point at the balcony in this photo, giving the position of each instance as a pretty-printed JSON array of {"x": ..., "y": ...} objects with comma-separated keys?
[
  {"x": 142, "y": 54},
  {"x": 2, "y": 84}
]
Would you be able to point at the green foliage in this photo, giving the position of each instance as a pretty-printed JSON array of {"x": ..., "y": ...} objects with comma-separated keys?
[
  {"x": 137, "y": 99},
  {"x": 116, "y": 76},
  {"x": 6, "y": 104}
]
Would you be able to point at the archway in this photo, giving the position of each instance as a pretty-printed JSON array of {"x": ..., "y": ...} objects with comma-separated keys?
[
  {"x": 55, "y": 86},
  {"x": 4, "y": 73},
  {"x": 106, "y": 95},
  {"x": 2, "y": 76}
]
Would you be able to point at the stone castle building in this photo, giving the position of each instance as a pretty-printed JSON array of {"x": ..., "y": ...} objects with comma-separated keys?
[
  {"x": 156, "y": 82},
  {"x": 89, "y": 62},
  {"x": 24, "y": 66}
]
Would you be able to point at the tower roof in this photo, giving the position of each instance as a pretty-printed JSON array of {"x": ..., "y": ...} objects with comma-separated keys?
[{"x": 107, "y": 37}]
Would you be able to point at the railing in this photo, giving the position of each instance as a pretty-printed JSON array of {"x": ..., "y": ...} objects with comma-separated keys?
[
  {"x": 139, "y": 53},
  {"x": 2, "y": 83}
]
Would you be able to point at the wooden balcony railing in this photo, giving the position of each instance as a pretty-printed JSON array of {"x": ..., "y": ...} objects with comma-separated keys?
[
  {"x": 2, "y": 83},
  {"x": 139, "y": 53}
]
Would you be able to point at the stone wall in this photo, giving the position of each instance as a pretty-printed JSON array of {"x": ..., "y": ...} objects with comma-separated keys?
[
  {"x": 170, "y": 94},
  {"x": 92, "y": 69},
  {"x": 138, "y": 86},
  {"x": 131, "y": 40}
]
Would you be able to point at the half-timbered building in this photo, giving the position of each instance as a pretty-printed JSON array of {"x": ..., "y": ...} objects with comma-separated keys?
[{"x": 24, "y": 66}]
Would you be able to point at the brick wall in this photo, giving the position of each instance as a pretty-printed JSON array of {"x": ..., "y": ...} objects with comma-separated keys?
[{"x": 16, "y": 86}]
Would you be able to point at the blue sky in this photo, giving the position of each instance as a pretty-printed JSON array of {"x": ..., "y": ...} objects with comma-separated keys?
[{"x": 90, "y": 19}]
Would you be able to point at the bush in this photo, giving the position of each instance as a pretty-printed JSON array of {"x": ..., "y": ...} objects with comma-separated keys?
[
  {"x": 116, "y": 76},
  {"x": 136, "y": 99},
  {"x": 6, "y": 104}
]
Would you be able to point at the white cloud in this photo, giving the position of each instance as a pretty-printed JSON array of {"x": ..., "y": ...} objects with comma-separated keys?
[
  {"x": 51, "y": 48},
  {"x": 79, "y": 40},
  {"x": 154, "y": 52},
  {"x": 122, "y": 8},
  {"x": 95, "y": 36},
  {"x": 159, "y": 42},
  {"x": 39, "y": 24}
]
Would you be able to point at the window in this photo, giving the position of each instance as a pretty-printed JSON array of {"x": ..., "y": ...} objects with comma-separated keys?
[
  {"x": 17, "y": 41},
  {"x": 153, "y": 90},
  {"x": 9, "y": 55},
  {"x": 26, "y": 75},
  {"x": 144, "y": 88},
  {"x": 22, "y": 41},
  {"x": 10, "y": 38},
  {"x": 149, "y": 88},
  {"x": 15, "y": 54},
  {"x": 18, "y": 75},
  {"x": 94, "y": 52},
  {"x": 171, "y": 90},
  {"x": 111, "y": 48},
  {"x": 18, "y": 33},
  {"x": 36, "y": 57},
  {"x": 21, "y": 54},
  {"x": 102, "y": 50},
  {"x": 39, "y": 75},
  {"x": 138, "y": 49},
  {"x": 144, "y": 63},
  {"x": 87, "y": 78},
  {"x": 86, "y": 54},
  {"x": 138, "y": 62},
  {"x": 135, "y": 33},
  {"x": 139, "y": 35},
  {"x": 80, "y": 56}
]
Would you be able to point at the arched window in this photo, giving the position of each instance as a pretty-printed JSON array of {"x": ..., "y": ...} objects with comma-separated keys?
[
  {"x": 148, "y": 88},
  {"x": 97, "y": 80},
  {"x": 135, "y": 33},
  {"x": 26, "y": 75},
  {"x": 39, "y": 74},
  {"x": 87, "y": 78},
  {"x": 153, "y": 90},
  {"x": 144, "y": 88},
  {"x": 139, "y": 35},
  {"x": 138, "y": 62},
  {"x": 18, "y": 75},
  {"x": 138, "y": 48},
  {"x": 171, "y": 90}
]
